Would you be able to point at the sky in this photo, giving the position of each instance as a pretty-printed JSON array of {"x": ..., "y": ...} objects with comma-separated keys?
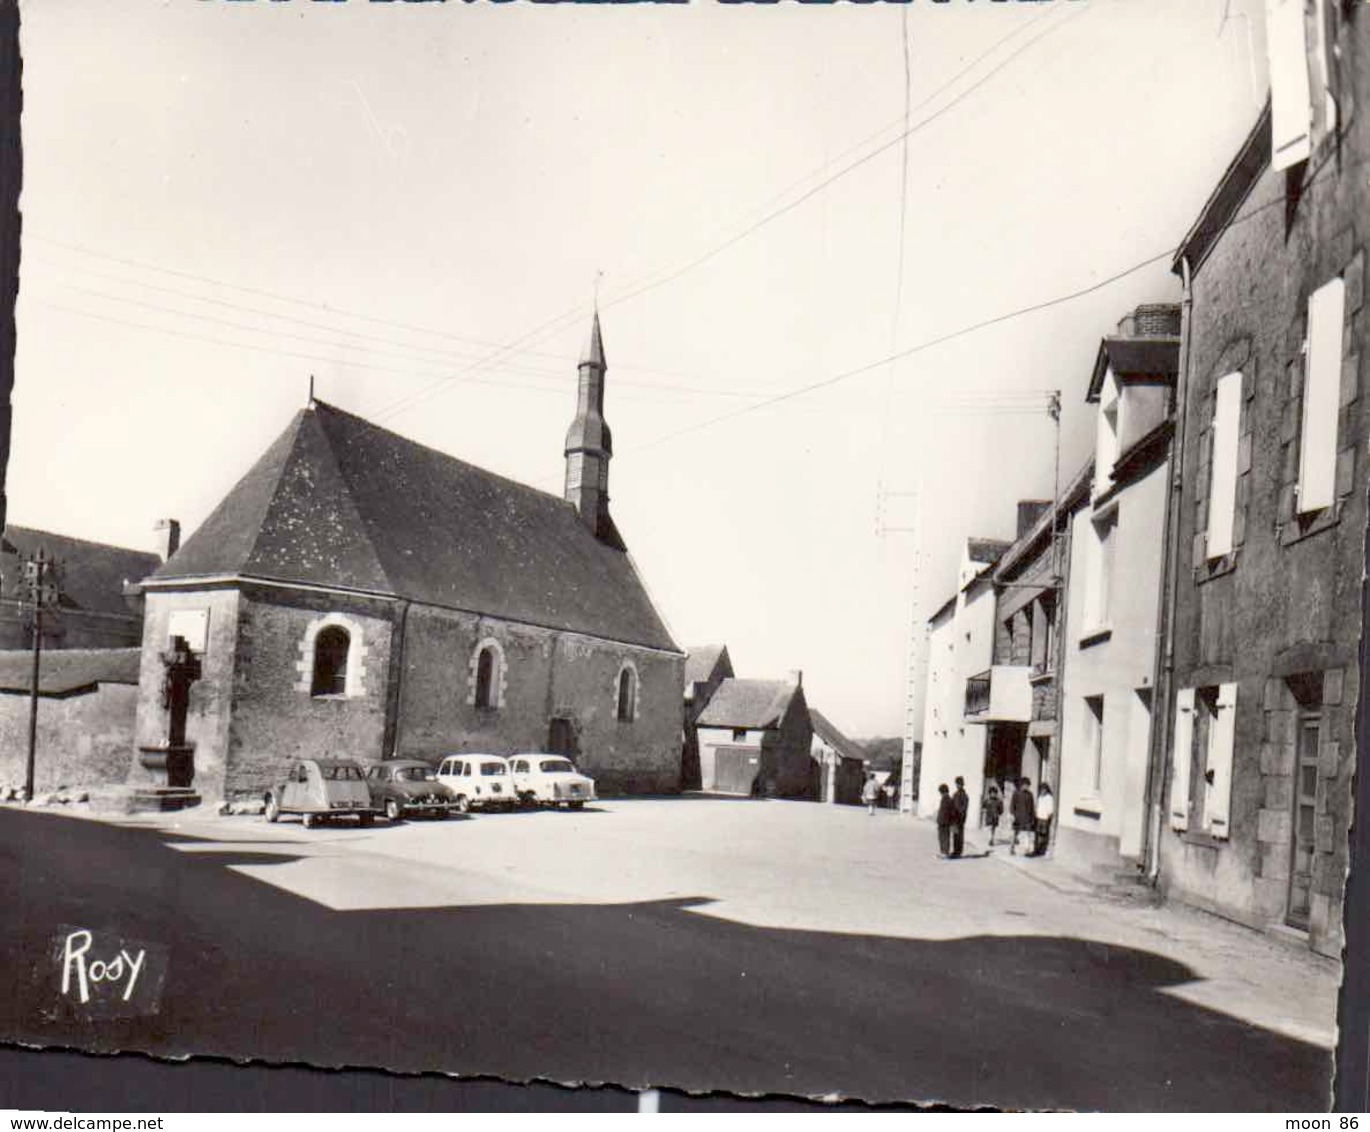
[{"x": 420, "y": 204}]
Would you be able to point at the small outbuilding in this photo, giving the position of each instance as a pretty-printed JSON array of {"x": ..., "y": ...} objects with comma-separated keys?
[{"x": 755, "y": 739}]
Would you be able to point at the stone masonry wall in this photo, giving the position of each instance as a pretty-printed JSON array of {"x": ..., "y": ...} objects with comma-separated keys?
[
  {"x": 1285, "y": 605},
  {"x": 83, "y": 739},
  {"x": 544, "y": 675}
]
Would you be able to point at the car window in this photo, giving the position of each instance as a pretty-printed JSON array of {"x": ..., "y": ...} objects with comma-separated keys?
[
  {"x": 413, "y": 773},
  {"x": 301, "y": 773},
  {"x": 341, "y": 772},
  {"x": 557, "y": 766},
  {"x": 492, "y": 770},
  {"x": 466, "y": 769}
]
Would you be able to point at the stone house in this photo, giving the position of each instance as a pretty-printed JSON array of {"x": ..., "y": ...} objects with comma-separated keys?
[
  {"x": 841, "y": 762},
  {"x": 1268, "y": 552},
  {"x": 706, "y": 666},
  {"x": 755, "y": 738},
  {"x": 358, "y": 594},
  {"x": 1114, "y": 601}
]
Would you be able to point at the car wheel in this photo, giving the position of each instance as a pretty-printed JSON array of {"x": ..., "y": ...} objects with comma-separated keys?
[
  {"x": 392, "y": 810},
  {"x": 463, "y": 804},
  {"x": 310, "y": 820},
  {"x": 365, "y": 819},
  {"x": 577, "y": 805},
  {"x": 273, "y": 808}
]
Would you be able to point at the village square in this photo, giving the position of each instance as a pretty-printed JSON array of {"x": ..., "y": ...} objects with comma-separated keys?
[{"x": 391, "y": 756}]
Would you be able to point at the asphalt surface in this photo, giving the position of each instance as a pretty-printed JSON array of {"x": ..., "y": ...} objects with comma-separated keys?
[{"x": 694, "y": 944}]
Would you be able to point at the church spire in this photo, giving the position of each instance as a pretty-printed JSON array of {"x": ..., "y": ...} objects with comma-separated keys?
[{"x": 589, "y": 445}]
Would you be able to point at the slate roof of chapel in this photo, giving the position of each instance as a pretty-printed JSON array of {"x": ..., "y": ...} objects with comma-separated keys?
[
  {"x": 700, "y": 661},
  {"x": 338, "y": 501}
]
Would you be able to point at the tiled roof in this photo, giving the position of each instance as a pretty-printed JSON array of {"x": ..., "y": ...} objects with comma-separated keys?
[
  {"x": 824, "y": 729},
  {"x": 700, "y": 662},
  {"x": 63, "y": 671},
  {"x": 92, "y": 573},
  {"x": 754, "y": 704},
  {"x": 338, "y": 501}
]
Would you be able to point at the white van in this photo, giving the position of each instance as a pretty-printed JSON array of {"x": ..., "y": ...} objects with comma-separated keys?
[{"x": 480, "y": 782}]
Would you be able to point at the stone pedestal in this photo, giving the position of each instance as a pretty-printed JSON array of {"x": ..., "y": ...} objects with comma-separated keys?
[{"x": 167, "y": 770}]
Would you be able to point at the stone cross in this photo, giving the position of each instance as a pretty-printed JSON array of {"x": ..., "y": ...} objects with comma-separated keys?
[{"x": 182, "y": 670}]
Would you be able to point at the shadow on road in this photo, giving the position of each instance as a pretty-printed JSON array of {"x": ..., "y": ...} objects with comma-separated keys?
[{"x": 645, "y": 993}]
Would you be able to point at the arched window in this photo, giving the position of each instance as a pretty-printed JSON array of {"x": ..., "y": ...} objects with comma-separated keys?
[
  {"x": 331, "y": 647},
  {"x": 627, "y": 694},
  {"x": 485, "y": 677}
]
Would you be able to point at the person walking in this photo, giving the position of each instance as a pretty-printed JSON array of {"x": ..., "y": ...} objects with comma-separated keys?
[
  {"x": 946, "y": 818},
  {"x": 870, "y": 793},
  {"x": 961, "y": 801},
  {"x": 994, "y": 810},
  {"x": 1046, "y": 810},
  {"x": 1023, "y": 810}
]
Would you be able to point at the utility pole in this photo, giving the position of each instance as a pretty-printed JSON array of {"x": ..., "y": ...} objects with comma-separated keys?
[{"x": 40, "y": 590}]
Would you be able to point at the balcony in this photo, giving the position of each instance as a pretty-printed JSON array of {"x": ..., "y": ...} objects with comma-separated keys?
[{"x": 1002, "y": 694}]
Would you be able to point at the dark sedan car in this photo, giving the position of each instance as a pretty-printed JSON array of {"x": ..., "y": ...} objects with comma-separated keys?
[{"x": 404, "y": 787}]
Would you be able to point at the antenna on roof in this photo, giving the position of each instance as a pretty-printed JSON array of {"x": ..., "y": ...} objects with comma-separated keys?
[
  {"x": 599, "y": 275},
  {"x": 310, "y": 402}
]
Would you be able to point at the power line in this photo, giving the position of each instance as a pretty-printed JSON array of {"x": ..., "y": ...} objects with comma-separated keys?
[
  {"x": 846, "y": 375},
  {"x": 407, "y": 402}
]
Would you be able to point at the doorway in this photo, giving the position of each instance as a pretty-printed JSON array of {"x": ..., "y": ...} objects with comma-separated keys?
[
  {"x": 1302, "y": 840},
  {"x": 561, "y": 738}
]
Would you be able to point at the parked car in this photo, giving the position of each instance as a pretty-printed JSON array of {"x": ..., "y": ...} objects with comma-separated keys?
[
  {"x": 550, "y": 780},
  {"x": 319, "y": 789},
  {"x": 408, "y": 786},
  {"x": 480, "y": 782}
]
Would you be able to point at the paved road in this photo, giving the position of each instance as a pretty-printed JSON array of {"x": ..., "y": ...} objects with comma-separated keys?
[{"x": 701, "y": 944}]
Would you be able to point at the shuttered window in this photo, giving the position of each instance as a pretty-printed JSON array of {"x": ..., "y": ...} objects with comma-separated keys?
[
  {"x": 1290, "y": 107},
  {"x": 1181, "y": 756},
  {"x": 1222, "y": 501},
  {"x": 1222, "y": 731},
  {"x": 1321, "y": 394}
]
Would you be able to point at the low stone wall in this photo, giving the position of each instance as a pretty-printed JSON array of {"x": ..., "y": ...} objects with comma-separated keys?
[{"x": 85, "y": 739}]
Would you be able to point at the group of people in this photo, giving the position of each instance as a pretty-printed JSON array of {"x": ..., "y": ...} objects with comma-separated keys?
[{"x": 1031, "y": 816}]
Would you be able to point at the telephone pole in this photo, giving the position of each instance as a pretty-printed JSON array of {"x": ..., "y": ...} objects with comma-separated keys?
[{"x": 40, "y": 591}]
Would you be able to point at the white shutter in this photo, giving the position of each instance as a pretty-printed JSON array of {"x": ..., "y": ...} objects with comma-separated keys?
[
  {"x": 1221, "y": 740},
  {"x": 1321, "y": 395},
  {"x": 1291, "y": 109},
  {"x": 1180, "y": 757},
  {"x": 1222, "y": 501}
]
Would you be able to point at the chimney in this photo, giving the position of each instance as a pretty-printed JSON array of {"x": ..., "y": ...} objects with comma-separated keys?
[
  {"x": 589, "y": 445},
  {"x": 168, "y": 535},
  {"x": 1029, "y": 511},
  {"x": 1151, "y": 320}
]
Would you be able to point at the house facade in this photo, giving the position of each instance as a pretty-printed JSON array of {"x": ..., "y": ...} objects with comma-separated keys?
[
  {"x": 357, "y": 594},
  {"x": 1114, "y": 603},
  {"x": 755, "y": 738},
  {"x": 841, "y": 762},
  {"x": 706, "y": 667},
  {"x": 960, "y": 650},
  {"x": 1269, "y": 549}
]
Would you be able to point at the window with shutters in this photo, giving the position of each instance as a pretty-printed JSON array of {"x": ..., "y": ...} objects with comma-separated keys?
[
  {"x": 1204, "y": 745},
  {"x": 1299, "y": 44},
  {"x": 1316, "y": 487},
  {"x": 1222, "y": 479},
  {"x": 1094, "y": 737}
]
